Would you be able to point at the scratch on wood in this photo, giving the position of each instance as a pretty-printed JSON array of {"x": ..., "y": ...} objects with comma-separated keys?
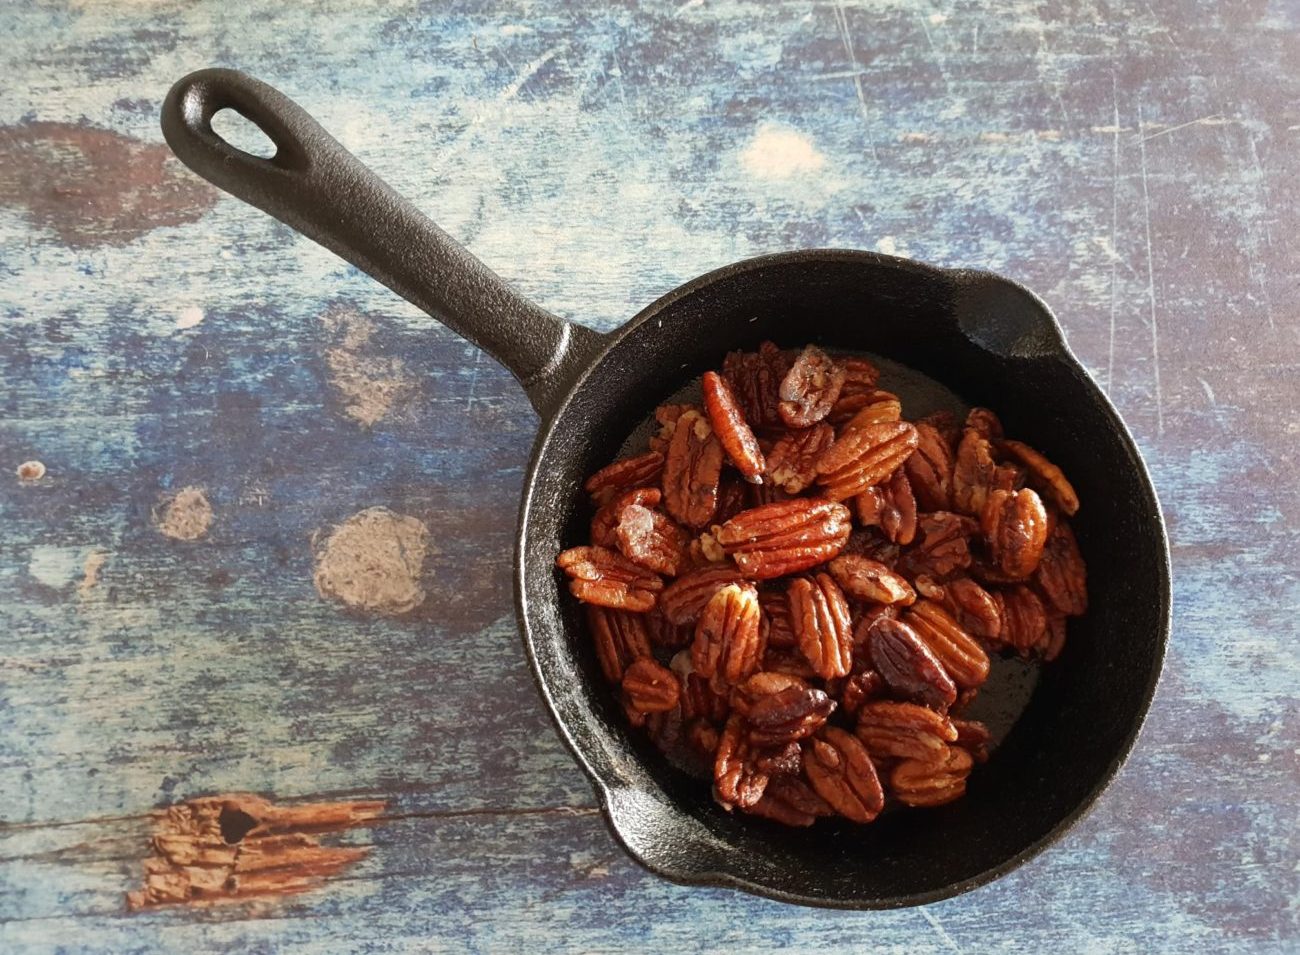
[
  {"x": 1215, "y": 120},
  {"x": 238, "y": 846},
  {"x": 842, "y": 22},
  {"x": 1114, "y": 228},
  {"x": 940, "y": 931},
  {"x": 1151, "y": 283}
]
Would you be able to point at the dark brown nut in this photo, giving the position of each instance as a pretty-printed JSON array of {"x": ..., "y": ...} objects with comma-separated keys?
[
  {"x": 1044, "y": 475},
  {"x": 871, "y": 542},
  {"x": 737, "y": 782},
  {"x": 1015, "y": 526},
  {"x": 684, "y": 599},
  {"x": 623, "y": 475},
  {"x": 620, "y": 639},
  {"x": 1061, "y": 573},
  {"x": 728, "y": 645},
  {"x": 732, "y": 497},
  {"x": 761, "y": 685},
  {"x": 650, "y": 687},
  {"x": 606, "y": 518},
  {"x": 606, "y": 577},
  {"x": 758, "y": 495},
  {"x": 786, "y": 760},
  {"x": 692, "y": 471},
  {"x": 973, "y": 736},
  {"x": 927, "y": 782},
  {"x": 729, "y": 425},
  {"x": 878, "y": 407},
  {"x": 972, "y": 473},
  {"x": 840, "y": 771},
  {"x": 860, "y": 375},
  {"x": 908, "y": 666},
  {"x": 984, "y": 423},
  {"x": 930, "y": 469},
  {"x": 755, "y": 378},
  {"x": 776, "y": 618},
  {"x": 1055, "y": 643},
  {"x": 792, "y": 462},
  {"x": 788, "y": 715},
  {"x": 791, "y": 662},
  {"x": 945, "y": 422},
  {"x": 650, "y": 539},
  {"x": 791, "y": 802},
  {"x": 667, "y": 416},
  {"x": 892, "y": 730},
  {"x": 823, "y": 624},
  {"x": 664, "y": 633},
  {"x": 865, "y": 579},
  {"x": 1008, "y": 477},
  {"x": 859, "y": 688},
  {"x": 962, "y": 657},
  {"x": 810, "y": 388},
  {"x": 891, "y": 506},
  {"x": 786, "y": 537},
  {"x": 864, "y": 457},
  {"x": 942, "y": 547},
  {"x": 702, "y": 736},
  {"x": 699, "y": 700},
  {"x": 972, "y": 607},
  {"x": 1024, "y": 620}
]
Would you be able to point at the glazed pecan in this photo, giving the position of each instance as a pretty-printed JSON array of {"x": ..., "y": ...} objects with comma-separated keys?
[
  {"x": 822, "y": 623},
  {"x": 605, "y": 577},
  {"x": 945, "y": 422},
  {"x": 791, "y": 662},
  {"x": 732, "y": 497},
  {"x": 1024, "y": 620},
  {"x": 650, "y": 539},
  {"x": 620, "y": 639},
  {"x": 685, "y": 598},
  {"x": 841, "y": 772},
  {"x": 790, "y": 801},
  {"x": 973, "y": 736},
  {"x": 860, "y": 375},
  {"x": 786, "y": 537},
  {"x": 1044, "y": 475},
  {"x": 892, "y": 730},
  {"x": 788, "y": 715},
  {"x": 737, "y": 782},
  {"x": 729, "y": 425},
  {"x": 859, "y": 688},
  {"x": 1055, "y": 643},
  {"x": 699, "y": 700},
  {"x": 863, "y": 457},
  {"x": 810, "y": 388},
  {"x": 908, "y": 666},
  {"x": 891, "y": 506},
  {"x": 755, "y": 378},
  {"x": 972, "y": 607},
  {"x": 650, "y": 687},
  {"x": 942, "y": 546},
  {"x": 1061, "y": 573},
  {"x": 865, "y": 579},
  {"x": 606, "y": 518},
  {"x": 932, "y": 782},
  {"x": 624, "y": 474},
  {"x": 728, "y": 644},
  {"x": 930, "y": 469},
  {"x": 784, "y": 760},
  {"x": 963, "y": 658},
  {"x": 877, "y": 407},
  {"x": 872, "y": 543},
  {"x": 776, "y": 618},
  {"x": 703, "y": 736},
  {"x": 762, "y": 684},
  {"x": 667, "y": 416},
  {"x": 664, "y": 633},
  {"x": 984, "y": 423},
  {"x": 1015, "y": 526},
  {"x": 791, "y": 464},
  {"x": 972, "y": 472},
  {"x": 692, "y": 470}
]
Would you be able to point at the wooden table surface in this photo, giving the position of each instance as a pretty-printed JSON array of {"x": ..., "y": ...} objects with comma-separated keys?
[{"x": 269, "y": 553}]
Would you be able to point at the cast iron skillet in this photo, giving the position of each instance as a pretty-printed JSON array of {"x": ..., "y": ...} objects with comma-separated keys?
[{"x": 986, "y": 338}]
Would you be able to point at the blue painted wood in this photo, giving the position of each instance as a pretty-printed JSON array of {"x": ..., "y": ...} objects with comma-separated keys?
[{"x": 1135, "y": 163}]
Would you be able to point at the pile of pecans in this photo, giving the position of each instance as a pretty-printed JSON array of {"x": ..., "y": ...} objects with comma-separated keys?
[{"x": 802, "y": 589}]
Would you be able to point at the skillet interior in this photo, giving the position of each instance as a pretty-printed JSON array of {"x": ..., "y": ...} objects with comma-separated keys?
[{"x": 993, "y": 344}]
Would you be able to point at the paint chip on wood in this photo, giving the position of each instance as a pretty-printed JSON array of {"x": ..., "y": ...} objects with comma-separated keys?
[
  {"x": 368, "y": 384},
  {"x": 373, "y": 562},
  {"x": 186, "y": 515},
  {"x": 778, "y": 152},
  {"x": 95, "y": 561},
  {"x": 189, "y": 317},
  {"x": 30, "y": 472},
  {"x": 236, "y": 847}
]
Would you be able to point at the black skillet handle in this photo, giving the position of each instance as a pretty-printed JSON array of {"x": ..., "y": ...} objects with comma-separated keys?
[{"x": 317, "y": 187}]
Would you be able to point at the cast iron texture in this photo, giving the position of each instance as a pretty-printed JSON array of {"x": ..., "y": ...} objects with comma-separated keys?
[{"x": 984, "y": 337}]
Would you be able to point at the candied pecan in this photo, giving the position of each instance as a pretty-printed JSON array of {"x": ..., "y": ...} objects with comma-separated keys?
[
  {"x": 732, "y": 497},
  {"x": 699, "y": 700},
  {"x": 757, "y": 495},
  {"x": 942, "y": 546},
  {"x": 841, "y": 772},
  {"x": 1024, "y": 620},
  {"x": 1061, "y": 573},
  {"x": 650, "y": 687},
  {"x": 930, "y": 469},
  {"x": 972, "y": 472},
  {"x": 703, "y": 738},
  {"x": 867, "y": 579},
  {"x": 860, "y": 375},
  {"x": 762, "y": 684},
  {"x": 984, "y": 423},
  {"x": 903, "y": 730},
  {"x": 692, "y": 470},
  {"x": 605, "y": 577},
  {"x": 785, "y": 537},
  {"x": 863, "y": 457},
  {"x": 620, "y": 639},
  {"x": 606, "y": 518},
  {"x": 973, "y": 736},
  {"x": 1008, "y": 477},
  {"x": 623, "y": 474},
  {"x": 908, "y": 666},
  {"x": 791, "y": 464},
  {"x": 1055, "y": 642},
  {"x": 859, "y": 688},
  {"x": 945, "y": 422},
  {"x": 790, "y": 662},
  {"x": 667, "y": 416},
  {"x": 788, "y": 715},
  {"x": 776, "y": 618},
  {"x": 737, "y": 782},
  {"x": 963, "y": 658},
  {"x": 1044, "y": 475},
  {"x": 785, "y": 760},
  {"x": 650, "y": 539},
  {"x": 729, "y": 425},
  {"x": 823, "y": 624},
  {"x": 683, "y": 600},
  {"x": 810, "y": 388},
  {"x": 664, "y": 633},
  {"x": 755, "y": 378},
  {"x": 890, "y": 506},
  {"x": 1015, "y": 526},
  {"x": 972, "y": 607},
  {"x": 728, "y": 644},
  {"x": 872, "y": 543},
  {"x": 790, "y": 801},
  {"x": 878, "y": 407},
  {"x": 932, "y": 782}
]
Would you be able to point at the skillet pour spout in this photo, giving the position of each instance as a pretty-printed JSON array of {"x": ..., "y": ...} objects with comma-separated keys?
[{"x": 985, "y": 338}]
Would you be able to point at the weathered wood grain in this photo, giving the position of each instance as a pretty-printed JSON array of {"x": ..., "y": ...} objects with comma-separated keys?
[{"x": 1134, "y": 163}]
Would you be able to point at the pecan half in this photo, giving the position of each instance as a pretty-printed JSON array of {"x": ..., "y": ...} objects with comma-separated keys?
[
  {"x": 822, "y": 623},
  {"x": 624, "y": 474},
  {"x": 733, "y": 497},
  {"x": 606, "y": 518},
  {"x": 703, "y": 737},
  {"x": 1015, "y": 526},
  {"x": 932, "y": 782},
  {"x": 650, "y": 539},
  {"x": 859, "y": 688},
  {"x": 729, "y": 425},
  {"x": 692, "y": 471},
  {"x": 972, "y": 607},
  {"x": 864, "y": 457},
  {"x": 792, "y": 462},
  {"x": 699, "y": 700},
  {"x": 1056, "y": 630},
  {"x": 685, "y": 598},
  {"x": 877, "y": 407},
  {"x": 606, "y": 577},
  {"x": 984, "y": 423},
  {"x": 650, "y": 687},
  {"x": 891, "y": 506},
  {"x": 907, "y": 665},
  {"x": 737, "y": 782},
  {"x": 945, "y": 422},
  {"x": 930, "y": 468},
  {"x": 664, "y": 633},
  {"x": 963, "y": 658},
  {"x": 791, "y": 802},
  {"x": 788, "y": 715},
  {"x": 1044, "y": 475},
  {"x": 973, "y": 472},
  {"x": 790, "y": 662},
  {"x": 620, "y": 639},
  {"x": 776, "y": 619},
  {"x": 973, "y": 736},
  {"x": 841, "y": 772},
  {"x": 1061, "y": 573},
  {"x": 867, "y": 579},
  {"x": 667, "y": 416},
  {"x": 810, "y": 388},
  {"x": 785, "y": 537},
  {"x": 903, "y": 730},
  {"x": 762, "y": 684},
  {"x": 728, "y": 643},
  {"x": 942, "y": 546},
  {"x": 860, "y": 375},
  {"x": 1024, "y": 620},
  {"x": 755, "y": 378},
  {"x": 785, "y": 760}
]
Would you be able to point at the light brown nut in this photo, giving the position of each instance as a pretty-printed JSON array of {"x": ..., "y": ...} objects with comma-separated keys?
[
  {"x": 729, "y": 425},
  {"x": 620, "y": 639},
  {"x": 1044, "y": 475},
  {"x": 1024, "y": 620},
  {"x": 864, "y": 457},
  {"x": 699, "y": 700},
  {"x": 942, "y": 546},
  {"x": 792, "y": 462},
  {"x": 891, "y": 506},
  {"x": 963, "y": 658},
  {"x": 877, "y": 407},
  {"x": 860, "y": 688},
  {"x": 624, "y": 474},
  {"x": 692, "y": 471},
  {"x": 606, "y": 577},
  {"x": 755, "y": 378},
  {"x": 932, "y": 782},
  {"x": 891, "y": 730},
  {"x": 737, "y": 782},
  {"x": 810, "y": 388},
  {"x": 907, "y": 665},
  {"x": 973, "y": 736},
  {"x": 685, "y": 598},
  {"x": 865, "y": 579},
  {"x": 972, "y": 607},
  {"x": 791, "y": 802},
  {"x": 860, "y": 375},
  {"x": 649, "y": 687},
  {"x": 1015, "y": 527},
  {"x": 776, "y": 619},
  {"x": 985, "y": 423},
  {"x": 930, "y": 469},
  {"x": 667, "y": 417},
  {"x": 606, "y": 518},
  {"x": 1061, "y": 573},
  {"x": 788, "y": 715},
  {"x": 650, "y": 538},
  {"x": 822, "y": 623},
  {"x": 972, "y": 473},
  {"x": 841, "y": 772},
  {"x": 728, "y": 645},
  {"x": 786, "y": 537}
]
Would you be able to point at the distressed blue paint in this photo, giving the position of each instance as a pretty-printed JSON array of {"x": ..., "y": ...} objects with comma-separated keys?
[{"x": 1135, "y": 163}]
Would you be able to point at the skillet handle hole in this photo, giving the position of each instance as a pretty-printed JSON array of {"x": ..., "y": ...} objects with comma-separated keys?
[{"x": 240, "y": 132}]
